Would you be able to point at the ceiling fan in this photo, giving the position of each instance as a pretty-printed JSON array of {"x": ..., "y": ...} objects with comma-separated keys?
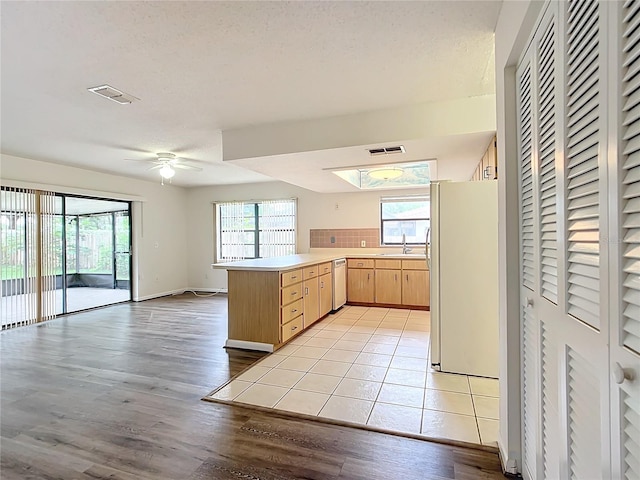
[{"x": 166, "y": 163}]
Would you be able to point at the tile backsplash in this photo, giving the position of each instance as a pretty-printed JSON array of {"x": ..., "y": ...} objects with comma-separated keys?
[{"x": 344, "y": 237}]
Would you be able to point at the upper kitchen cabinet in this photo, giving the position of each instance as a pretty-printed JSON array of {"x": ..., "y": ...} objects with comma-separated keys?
[{"x": 487, "y": 168}]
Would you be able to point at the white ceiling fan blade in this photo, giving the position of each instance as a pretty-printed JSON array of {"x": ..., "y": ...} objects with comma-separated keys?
[
  {"x": 191, "y": 160},
  {"x": 184, "y": 166},
  {"x": 141, "y": 160}
]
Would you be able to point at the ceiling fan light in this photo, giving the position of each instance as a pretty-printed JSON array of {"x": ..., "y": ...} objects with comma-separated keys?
[
  {"x": 385, "y": 173},
  {"x": 167, "y": 172}
]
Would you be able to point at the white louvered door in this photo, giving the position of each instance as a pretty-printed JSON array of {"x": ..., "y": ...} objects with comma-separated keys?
[
  {"x": 625, "y": 331},
  {"x": 528, "y": 321},
  {"x": 584, "y": 321},
  {"x": 564, "y": 222}
]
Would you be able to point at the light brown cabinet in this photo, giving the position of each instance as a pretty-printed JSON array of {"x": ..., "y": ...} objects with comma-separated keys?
[
  {"x": 270, "y": 308},
  {"x": 311, "y": 301},
  {"x": 388, "y": 286},
  {"x": 415, "y": 287},
  {"x": 360, "y": 284},
  {"x": 415, "y": 283},
  {"x": 326, "y": 293},
  {"x": 388, "y": 282}
]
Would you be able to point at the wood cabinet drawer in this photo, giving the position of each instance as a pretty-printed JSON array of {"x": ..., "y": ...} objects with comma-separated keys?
[
  {"x": 310, "y": 272},
  {"x": 360, "y": 263},
  {"x": 291, "y": 328},
  {"x": 290, "y": 277},
  {"x": 324, "y": 268},
  {"x": 291, "y": 293},
  {"x": 291, "y": 311},
  {"x": 414, "y": 264},
  {"x": 388, "y": 264}
]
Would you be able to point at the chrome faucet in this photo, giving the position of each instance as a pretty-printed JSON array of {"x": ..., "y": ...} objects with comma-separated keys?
[{"x": 405, "y": 249}]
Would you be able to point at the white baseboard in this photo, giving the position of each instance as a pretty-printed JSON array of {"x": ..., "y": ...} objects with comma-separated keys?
[
  {"x": 206, "y": 290},
  {"x": 509, "y": 466},
  {"x": 158, "y": 295},
  {"x": 262, "y": 347},
  {"x": 180, "y": 291}
]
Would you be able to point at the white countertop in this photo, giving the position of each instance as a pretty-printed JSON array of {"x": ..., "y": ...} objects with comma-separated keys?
[{"x": 300, "y": 260}]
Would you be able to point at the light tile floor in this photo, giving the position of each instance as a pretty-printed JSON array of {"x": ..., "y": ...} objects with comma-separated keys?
[{"x": 370, "y": 366}]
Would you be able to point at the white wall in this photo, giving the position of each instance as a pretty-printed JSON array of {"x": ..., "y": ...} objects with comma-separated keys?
[
  {"x": 315, "y": 210},
  {"x": 160, "y": 219},
  {"x": 433, "y": 119},
  {"x": 514, "y": 27}
]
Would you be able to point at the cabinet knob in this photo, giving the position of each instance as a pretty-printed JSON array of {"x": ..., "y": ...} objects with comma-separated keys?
[
  {"x": 294, "y": 293},
  {"x": 294, "y": 328},
  {"x": 621, "y": 374},
  {"x": 294, "y": 310},
  {"x": 293, "y": 277}
]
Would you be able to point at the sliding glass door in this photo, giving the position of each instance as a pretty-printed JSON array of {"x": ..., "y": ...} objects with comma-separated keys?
[
  {"x": 60, "y": 254},
  {"x": 98, "y": 236}
]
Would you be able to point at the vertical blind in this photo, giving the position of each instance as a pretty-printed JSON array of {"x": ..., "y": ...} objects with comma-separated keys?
[
  {"x": 256, "y": 229},
  {"x": 28, "y": 267}
]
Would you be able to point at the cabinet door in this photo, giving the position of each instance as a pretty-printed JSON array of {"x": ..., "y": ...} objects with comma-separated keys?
[
  {"x": 360, "y": 285},
  {"x": 311, "y": 301},
  {"x": 415, "y": 287},
  {"x": 326, "y": 294},
  {"x": 388, "y": 287}
]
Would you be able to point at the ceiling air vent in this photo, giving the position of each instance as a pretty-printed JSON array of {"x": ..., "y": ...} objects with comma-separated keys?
[
  {"x": 386, "y": 150},
  {"x": 107, "y": 91}
]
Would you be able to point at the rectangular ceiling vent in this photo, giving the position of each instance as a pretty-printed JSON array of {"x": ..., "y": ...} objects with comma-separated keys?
[
  {"x": 107, "y": 91},
  {"x": 386, "y": 150}
]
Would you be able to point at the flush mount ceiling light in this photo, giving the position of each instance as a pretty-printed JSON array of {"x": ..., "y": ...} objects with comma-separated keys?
[
  {"x": 385, "y": 173},
  {"x": 393, "y": 175},
  {"x": 167, "y": 172}
]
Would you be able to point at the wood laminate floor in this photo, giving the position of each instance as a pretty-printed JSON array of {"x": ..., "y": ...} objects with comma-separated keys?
[{"x": 116, "y": 393}]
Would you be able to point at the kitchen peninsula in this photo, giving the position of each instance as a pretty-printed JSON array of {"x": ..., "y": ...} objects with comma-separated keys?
[{"x": 271, "y": 300}]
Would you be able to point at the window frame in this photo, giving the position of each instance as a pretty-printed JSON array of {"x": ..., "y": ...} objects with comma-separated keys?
[
  {"x": 256, "y": 230},
  {"x": 403, "y": 199}
]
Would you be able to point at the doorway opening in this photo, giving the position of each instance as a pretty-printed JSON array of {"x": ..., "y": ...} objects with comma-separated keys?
[{"x": 60, "y": 254}]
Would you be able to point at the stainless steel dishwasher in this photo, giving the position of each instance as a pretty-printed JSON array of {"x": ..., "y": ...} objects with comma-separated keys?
[{"x": 339, "y": 283}]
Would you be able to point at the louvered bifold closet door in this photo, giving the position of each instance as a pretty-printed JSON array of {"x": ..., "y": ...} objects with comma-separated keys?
[
  {"x": 525, "y": 129},
  {"x": 529, "y": 325},
  {"x": 631, "y": 178},
  {"x": 546, "y": 144},
  {"x": 547, "y": 138},
  {"x": 583, "y": 92},
  {"x": 583, "y": 391},
  {"x": 626, "y": 347}
]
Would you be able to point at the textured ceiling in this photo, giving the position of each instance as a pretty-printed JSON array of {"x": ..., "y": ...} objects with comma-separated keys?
[{"x": 202, "y": 67}]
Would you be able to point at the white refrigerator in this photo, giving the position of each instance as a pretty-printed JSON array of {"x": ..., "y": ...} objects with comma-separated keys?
[{"x": 463, "y": 258}]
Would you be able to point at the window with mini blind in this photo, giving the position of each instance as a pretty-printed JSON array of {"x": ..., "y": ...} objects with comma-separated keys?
[
  {"x": 255, "y": 229},
  {"x": 404, "y": 218}
]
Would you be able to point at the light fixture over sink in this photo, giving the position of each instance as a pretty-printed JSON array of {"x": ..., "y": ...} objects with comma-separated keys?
[{"x": 385, "y": 173}]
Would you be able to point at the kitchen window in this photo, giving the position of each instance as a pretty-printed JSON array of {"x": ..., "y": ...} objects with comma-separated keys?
[
  {"x": 404, "y": 216},
  {"x": 256, "y": 229}
]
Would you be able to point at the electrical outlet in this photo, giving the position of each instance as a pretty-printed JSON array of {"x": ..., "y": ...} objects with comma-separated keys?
[{"x": 363, "y": 243}]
